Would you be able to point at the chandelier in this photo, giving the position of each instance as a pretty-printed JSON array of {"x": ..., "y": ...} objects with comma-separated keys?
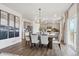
[{"x": 38, "y": 16}]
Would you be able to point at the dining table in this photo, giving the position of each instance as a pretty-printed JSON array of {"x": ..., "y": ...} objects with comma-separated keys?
[{"x": 50, "y": 40}]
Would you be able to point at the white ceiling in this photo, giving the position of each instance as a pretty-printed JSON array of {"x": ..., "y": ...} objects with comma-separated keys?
[{"x": 30, "y": 10}]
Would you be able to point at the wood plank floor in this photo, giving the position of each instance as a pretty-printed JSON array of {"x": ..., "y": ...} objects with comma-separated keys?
[{"x": 18, "y": 49}]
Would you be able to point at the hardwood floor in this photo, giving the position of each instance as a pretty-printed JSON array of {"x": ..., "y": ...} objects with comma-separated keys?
[
  {"x": 28, "y": 51},
  {"x": 18, "y": 49}
]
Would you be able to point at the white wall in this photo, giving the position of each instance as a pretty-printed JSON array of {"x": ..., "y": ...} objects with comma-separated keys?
[{"x": 10, "y": 41}]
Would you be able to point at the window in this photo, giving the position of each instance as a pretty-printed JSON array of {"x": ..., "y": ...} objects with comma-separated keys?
[
  {"x": 3, "y": 25},
  {"x": 11, "y": 26},
  {"x": 17, "y": 25},
  {"x": 72, "y": 25}
]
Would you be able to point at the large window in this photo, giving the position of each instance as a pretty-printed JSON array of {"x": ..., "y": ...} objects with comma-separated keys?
[
  {"x": 9, "y": 25},
  {"x": 72, "y": 27},
  {"x": 3, "y": 25}
]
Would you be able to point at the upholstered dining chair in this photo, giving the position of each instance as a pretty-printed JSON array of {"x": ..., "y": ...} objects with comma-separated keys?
[
  {"x": 44, "y": 39},
  {"x": 34, "y": 39},
  {"x": 56, "y": 39},
  {"x": 27, "y": 37}
]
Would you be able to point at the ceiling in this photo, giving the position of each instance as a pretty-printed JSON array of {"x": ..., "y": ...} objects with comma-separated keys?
[{"x": 48, "y": 10}]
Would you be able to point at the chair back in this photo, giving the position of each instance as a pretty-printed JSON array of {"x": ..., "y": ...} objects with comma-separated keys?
[
  {"x": 44, "y": 39},
  {"x": 27, "y": 36},
  {"x": 34, "y": 38},
  {"x": 56, "y": 37},
  {"x": 26, "y": 33}
]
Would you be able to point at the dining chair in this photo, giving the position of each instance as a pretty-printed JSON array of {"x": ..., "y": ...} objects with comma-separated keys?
[
  {"x": 34, "y": 40},
  {"x": 44, "y": 39},
  {"x": 27, "y": 37},
  {"x": 56, "y": 39}
]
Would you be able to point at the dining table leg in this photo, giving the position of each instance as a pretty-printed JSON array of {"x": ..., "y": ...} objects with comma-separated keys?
[{"x": 50, "y": 43}]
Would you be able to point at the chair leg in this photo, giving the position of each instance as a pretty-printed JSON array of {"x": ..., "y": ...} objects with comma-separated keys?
[
  {"x": 37, "y": 45},
  {"x": 32, "y": 44},
  {"x": 27, "y": 42},
  {"x": 46, "y": 46},
  {"x": 59, "y": 46},
  {"x": 41, "y": 45}
]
